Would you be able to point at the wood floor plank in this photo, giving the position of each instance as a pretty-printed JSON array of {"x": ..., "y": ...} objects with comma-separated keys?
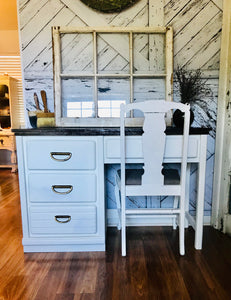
[
  {"x": 198, "y": 272},
  {"x": 64, "y": 297},
  {"x": 162, "y": 266},
  {"x": 153, "y": 268},
  {"x": 138, "y": 269}
]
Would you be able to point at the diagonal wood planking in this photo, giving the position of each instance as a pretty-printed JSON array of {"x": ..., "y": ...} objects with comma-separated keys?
[
  {"x": 197, "y": 32},
  {"x": 40, "y": 21},
  {"x": 137, "y": 15},
  {"x": 93, "y": 19},
  {"x": 36, "y": 20},
  {"x": 194, "y": 26},
  {"x": 188, "y": 19},
  {"x": 172, "y": 9},
  {"x": 218, "y": 3},
  {"x": 28, "y": 12},
  {"x": 43, "y": 61},
  {"x": 213, "y": 63},
  {"x": 43, "y": 39},
  {"x": 198, "y": 46},
  {"x": 187, "y": 14}
]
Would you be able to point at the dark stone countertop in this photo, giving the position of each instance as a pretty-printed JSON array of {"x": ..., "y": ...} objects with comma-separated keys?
[{"x": 93, "y": 131}]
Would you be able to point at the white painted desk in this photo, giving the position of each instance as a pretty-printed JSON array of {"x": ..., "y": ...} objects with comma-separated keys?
[{"x": 87, "y": 152}]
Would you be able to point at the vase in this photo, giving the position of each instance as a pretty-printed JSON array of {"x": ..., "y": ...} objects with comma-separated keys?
[{"x": 178, "y": 118}]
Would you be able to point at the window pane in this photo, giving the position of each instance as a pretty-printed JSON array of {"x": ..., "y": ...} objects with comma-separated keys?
[
  {"x": 111, "y": 61},
  {"x": 149, "y": 53},
  {"x": 111, "y": 93},
  {"x": 77, "y": 98},
  {"x": 77, "y": 53},
  {"x": 149, "y": 89}
]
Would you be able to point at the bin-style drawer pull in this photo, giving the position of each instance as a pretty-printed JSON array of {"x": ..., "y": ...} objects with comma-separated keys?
[
  {"x": 56, "y": 156},
  {"x": 67, "y": 189},
  {"x": 62, "y": 219}
]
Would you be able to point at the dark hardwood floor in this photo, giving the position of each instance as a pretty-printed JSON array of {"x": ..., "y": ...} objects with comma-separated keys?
[{"x": 153, "y": 269}]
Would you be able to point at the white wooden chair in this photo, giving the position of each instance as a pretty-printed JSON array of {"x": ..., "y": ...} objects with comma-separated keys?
[{"x": 152, "y": 180}]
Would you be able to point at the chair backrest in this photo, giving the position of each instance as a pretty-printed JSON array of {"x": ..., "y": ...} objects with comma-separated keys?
[{"x": 154, "y": 138}]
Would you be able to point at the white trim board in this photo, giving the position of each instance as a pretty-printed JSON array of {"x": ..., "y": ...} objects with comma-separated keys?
[{"x": 222, "y": 151}]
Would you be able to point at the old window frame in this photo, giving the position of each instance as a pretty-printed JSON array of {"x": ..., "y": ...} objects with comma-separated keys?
[{"x": 58, "y": 75}]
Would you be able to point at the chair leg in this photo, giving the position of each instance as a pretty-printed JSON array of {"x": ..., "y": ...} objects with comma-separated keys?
[
  {"x": 118, "y": 206},
  {"x": 175, "y": 205},
  {"x": 174, "y": 223},
  {"x": 123, "y": 234},
  {"x": 123, "y": 225},
  {"x": 181, "y": 229},
  {"x": 123, "y": 240}
]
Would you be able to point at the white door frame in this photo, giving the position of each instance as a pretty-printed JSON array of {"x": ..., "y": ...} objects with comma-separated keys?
[{"x": 220, "y": 217}]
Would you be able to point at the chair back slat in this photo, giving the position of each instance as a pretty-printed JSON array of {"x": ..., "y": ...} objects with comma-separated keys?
[{"x": 153, "y": 140}]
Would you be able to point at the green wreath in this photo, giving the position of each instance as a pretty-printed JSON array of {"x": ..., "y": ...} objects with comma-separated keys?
[{"x": 109, "y": 6}]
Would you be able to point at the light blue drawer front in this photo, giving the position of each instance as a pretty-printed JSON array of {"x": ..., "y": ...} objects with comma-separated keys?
[
  {"x": 62, "y": 187},
  {"x": 134, "y": 149},
  {"x": 61, "y": 154},
  {"x": 63, "y": 220}
]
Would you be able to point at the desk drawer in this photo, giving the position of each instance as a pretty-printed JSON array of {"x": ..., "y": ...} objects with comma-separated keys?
[
  {"x": 134, "y": 149},
  {"x": 63, "y": 220},
  {"x": 62, "y": 188},
  {"x": 64, "y": 154}
]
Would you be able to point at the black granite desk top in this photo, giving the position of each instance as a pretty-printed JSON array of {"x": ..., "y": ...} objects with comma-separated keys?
[{"x": 93, "y": 131}]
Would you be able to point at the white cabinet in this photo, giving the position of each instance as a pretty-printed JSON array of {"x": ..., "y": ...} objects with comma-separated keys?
[{"x": 62, "y": 193}]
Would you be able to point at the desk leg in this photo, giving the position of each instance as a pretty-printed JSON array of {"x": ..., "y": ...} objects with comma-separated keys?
[{"x": 200, "y": 193}]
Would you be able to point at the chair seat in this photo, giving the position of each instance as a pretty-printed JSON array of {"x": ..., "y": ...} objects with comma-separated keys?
[{"x": 134, "y": 176}]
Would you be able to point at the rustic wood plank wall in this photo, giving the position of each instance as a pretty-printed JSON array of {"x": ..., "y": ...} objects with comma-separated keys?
[{"x": 197, "y": 33}]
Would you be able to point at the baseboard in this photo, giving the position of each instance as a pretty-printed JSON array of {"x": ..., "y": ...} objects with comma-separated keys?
[{"x": 112, "y": 220}]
